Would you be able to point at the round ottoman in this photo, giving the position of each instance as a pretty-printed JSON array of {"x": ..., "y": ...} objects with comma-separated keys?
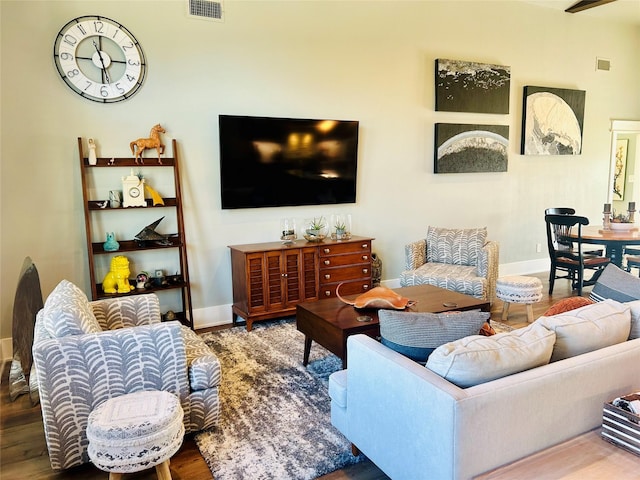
[
  {"x": 134, "y": 432},
  {"x": 519, "y": 289}
]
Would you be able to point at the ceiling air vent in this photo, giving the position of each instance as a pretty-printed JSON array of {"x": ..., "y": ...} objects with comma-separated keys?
[{"x": 206, "y": 10}]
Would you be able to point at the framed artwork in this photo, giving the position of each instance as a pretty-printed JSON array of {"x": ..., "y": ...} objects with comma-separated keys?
[
  {"x": 552, "y": 121},
  {"x": 472, "y": 87},
  {"x": 620, "y": 172},
  {"x": 463, "y": 148}
]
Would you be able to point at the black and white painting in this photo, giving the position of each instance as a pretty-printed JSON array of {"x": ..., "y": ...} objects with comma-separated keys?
[
  {"x": 464, "y": 148},
  {"x": 552, "y": 121},
  {"x": 472, "y": 87}
]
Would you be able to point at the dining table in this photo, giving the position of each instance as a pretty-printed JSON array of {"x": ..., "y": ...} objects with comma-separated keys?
[{"x": 614, "y": 241}]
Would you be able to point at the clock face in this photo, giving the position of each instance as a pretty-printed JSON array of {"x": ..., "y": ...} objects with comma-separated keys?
[
  {"x": 134, "y": 192},
  {"x": 99, "y": 59}
]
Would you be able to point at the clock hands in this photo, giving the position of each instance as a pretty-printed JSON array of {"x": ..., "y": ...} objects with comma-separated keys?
[{"x": 104, "y": 69}]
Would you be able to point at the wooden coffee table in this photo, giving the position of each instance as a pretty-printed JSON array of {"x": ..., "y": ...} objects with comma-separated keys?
[{"x": 329, "y": 322}]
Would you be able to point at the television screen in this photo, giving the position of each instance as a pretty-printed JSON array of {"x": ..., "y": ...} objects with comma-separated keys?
[{"x": 274, "y": 162}]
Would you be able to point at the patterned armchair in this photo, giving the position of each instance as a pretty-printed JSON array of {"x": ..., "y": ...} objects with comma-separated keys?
[
  {"x": 87, "y": 352},
  {"x": 462, "y": 260}
]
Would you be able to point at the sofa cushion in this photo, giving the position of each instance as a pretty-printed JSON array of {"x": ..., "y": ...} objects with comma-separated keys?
[
  {"x": 338, "y": 388},
  {"x": 478, "y": 359},
  {"x": 455, "y": 246},
  {"x": 67, "y": 312},
  {"x": 588, "y": 328},
  {"x": 459, "y": 278},
  {"x": 416, "y": 335},
  {"x": 130, "y": 311},
  {"x": 566, "y": 305},
  {"x": 616, "y": 284},
  {"x": 634, "y": 331}
]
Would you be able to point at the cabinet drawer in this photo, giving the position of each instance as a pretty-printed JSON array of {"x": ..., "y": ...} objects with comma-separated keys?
[
  {"x": 342, "y": 248},
  {"x": 348, "y": 259},
  {"x": 348, "y": 288},
  {"x": 330, "y": 275}
]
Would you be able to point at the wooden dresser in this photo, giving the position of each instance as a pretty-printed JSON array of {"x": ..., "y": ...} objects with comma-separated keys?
[{"x": 269, "y": 279}]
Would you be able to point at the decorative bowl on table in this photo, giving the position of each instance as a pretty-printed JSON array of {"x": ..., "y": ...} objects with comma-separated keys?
[{"x": 620, "y": 226}]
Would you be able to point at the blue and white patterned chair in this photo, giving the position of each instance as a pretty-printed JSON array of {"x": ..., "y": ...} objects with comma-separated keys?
[
  {"x": 88, "y": 352},
  {"x": 462, "y": 260}
]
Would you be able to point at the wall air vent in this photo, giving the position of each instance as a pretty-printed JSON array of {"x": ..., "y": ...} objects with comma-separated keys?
[{"x": 206, "y": 10}]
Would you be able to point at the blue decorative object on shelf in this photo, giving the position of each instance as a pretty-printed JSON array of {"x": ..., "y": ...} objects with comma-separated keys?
[{"x": 111, "y": 245}]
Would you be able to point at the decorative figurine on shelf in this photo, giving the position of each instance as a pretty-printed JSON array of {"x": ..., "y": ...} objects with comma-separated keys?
[
  {"x": 93, "y": 159},
  {"x": 140, "y": 145},
  {"x": 111, "y": 245},
  {"x": 141, "y": 280},
  {"x": 117, "y": 279},
  {"x": 155, "y": 196},
  {"x": 149, "y": 234},
  {"x": 133, "y": 191}
]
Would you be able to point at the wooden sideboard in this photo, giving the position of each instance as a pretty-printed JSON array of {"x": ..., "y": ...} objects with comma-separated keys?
[{"x": 270, "y": 279}]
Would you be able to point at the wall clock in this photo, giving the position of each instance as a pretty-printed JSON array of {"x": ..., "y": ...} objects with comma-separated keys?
[{"x": 99, "y": 59}]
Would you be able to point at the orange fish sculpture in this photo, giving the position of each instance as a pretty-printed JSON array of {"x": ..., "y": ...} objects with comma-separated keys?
[{"x": 378, "y": 297}]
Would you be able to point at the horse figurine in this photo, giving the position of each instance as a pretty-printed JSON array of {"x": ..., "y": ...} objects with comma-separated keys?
[{"x": 138, "y": 146}]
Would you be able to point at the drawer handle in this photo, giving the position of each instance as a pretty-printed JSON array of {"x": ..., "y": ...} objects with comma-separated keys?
[
  {"x": 326, "y": 250},
  {"x": 365, "y": 287},
  {"x": 327, "y": 262},
  {"x": 327, "y": 277},
  {"x": 327, "y": 293},
  {"x": 365, "y": 245},
  {"x": 365, "y": 257},
  {"x": 365, "y": 270}
]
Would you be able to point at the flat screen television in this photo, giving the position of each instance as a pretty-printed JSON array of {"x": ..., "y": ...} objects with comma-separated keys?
[{"x": 275, "y": 162}]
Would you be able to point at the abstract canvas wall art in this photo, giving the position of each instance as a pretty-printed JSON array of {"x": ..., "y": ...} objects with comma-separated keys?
[
  {"x": 463, "y": 148},
  {"x": 552, "y": 121},
  {"x": 472, "y": 87}
]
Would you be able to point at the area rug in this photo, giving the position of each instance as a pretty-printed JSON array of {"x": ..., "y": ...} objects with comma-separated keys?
[{"x": 275, "y": 420}]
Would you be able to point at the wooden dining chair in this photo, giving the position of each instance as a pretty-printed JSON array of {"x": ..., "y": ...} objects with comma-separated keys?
[
  {"x": 571, "y": 211},
  {"x": 572, "y": 261}
]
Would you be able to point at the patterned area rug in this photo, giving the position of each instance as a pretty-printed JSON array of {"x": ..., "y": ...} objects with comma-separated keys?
[{"x": 275, "y": 420}]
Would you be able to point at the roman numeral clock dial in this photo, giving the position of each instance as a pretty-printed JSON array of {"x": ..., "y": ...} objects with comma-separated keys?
[{"x": 99, "y": 59}]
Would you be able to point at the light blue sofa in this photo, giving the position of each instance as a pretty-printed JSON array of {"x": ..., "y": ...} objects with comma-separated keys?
[{"x": 414, "y": 425}]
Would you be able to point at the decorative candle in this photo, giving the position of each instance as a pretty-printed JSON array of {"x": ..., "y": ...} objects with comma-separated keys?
[{"x": 607, "y": 208}]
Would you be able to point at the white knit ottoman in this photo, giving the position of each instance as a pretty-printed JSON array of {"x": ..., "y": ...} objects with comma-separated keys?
[
  {"x": 519, "y": 289},
  {"x": 134, "y": 432}
]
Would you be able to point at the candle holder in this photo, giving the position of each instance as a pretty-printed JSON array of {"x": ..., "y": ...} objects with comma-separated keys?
[
  {"x": 288, "y": 231},
  {"x": 606, "y": 220}
]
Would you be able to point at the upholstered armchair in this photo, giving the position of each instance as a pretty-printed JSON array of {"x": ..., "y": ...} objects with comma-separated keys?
[
  {"x": 87, "y": 352},
  {"x": 462, "y": 260}
]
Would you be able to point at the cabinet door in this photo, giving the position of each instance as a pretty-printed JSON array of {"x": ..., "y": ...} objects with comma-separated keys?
[
  {"x": 275, "y": 279},
  {"x": 256, "y": 293},
  {"x": 309, "y": 264}
]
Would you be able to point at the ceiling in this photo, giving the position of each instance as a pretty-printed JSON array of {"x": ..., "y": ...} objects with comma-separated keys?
[{"x": 625, "y": 11}]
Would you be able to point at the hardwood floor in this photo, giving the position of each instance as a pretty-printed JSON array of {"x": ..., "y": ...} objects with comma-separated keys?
[{"x": 23, "y": 452}]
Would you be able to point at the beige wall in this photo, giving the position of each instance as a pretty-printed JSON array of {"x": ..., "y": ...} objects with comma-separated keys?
[{"x": 369, "y": 61}]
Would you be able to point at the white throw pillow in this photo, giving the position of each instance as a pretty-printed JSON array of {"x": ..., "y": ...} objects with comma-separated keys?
[
  {"x": 67, "y": 312},
  {"x": 588, "y": 328},
  {"x": 635, "y": 319},
  {"x": 478, "y": 359}
]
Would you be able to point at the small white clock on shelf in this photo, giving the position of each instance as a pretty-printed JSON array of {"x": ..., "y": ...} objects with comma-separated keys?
[{"x": 133, "y": 191}]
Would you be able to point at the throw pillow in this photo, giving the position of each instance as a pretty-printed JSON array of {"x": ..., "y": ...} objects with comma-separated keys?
[
  {"x": 474, "y": 360},
  {"x": 616, "y": 284},
  {"x": 455, "y": 246},
  {"x": 588, "y": 328},
  {"x": 67, "y": 312},
  {"x": 416, "y": 335},
  {"x": 635, "y": 319},
  {"x": 566, "y": 305}
]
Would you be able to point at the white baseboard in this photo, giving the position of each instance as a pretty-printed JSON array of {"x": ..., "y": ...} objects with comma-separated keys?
[{"x": 221, "y": 314}]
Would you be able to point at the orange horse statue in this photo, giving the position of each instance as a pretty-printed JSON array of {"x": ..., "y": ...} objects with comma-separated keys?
[{"x": 140, "y": 145}]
